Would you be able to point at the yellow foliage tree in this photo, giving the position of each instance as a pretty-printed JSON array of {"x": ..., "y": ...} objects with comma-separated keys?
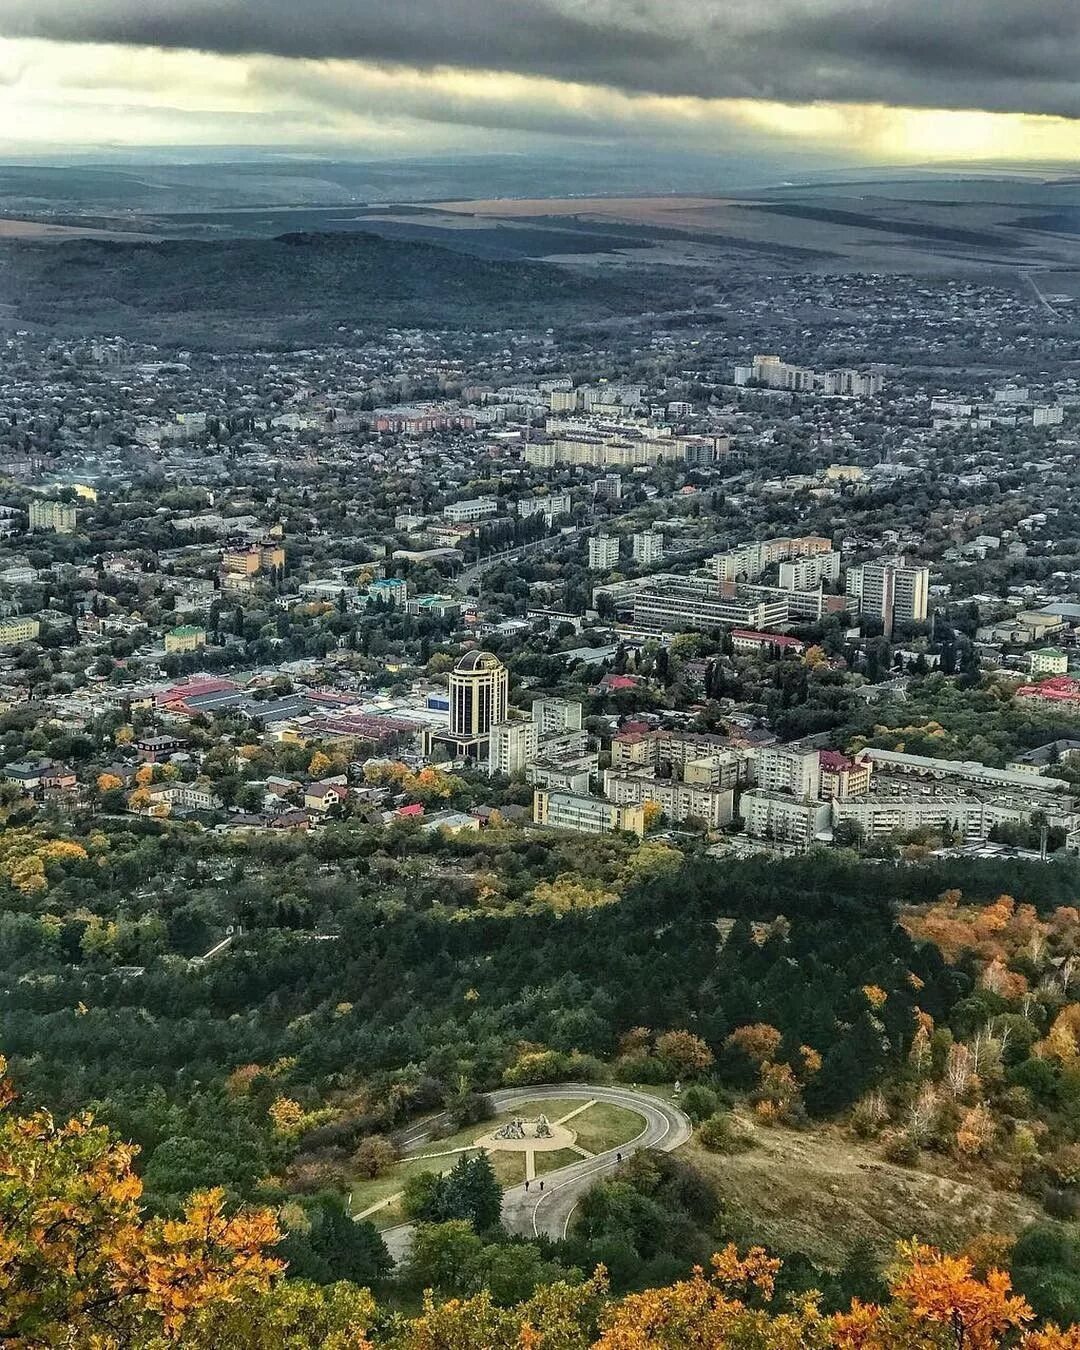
[
  {"x": 80, "y": 1267},
  {"x": 108, "y": 782},
  {"x": 320, "y": 765}
]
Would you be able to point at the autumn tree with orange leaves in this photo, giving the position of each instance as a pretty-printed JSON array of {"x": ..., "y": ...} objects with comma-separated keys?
[{"x": 78, "y": 1264}]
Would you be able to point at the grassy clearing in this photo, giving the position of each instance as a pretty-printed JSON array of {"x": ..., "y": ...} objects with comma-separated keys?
[
  {"x": 605, "y": 1126},
  {"x": 819, "y": 1191},
  {"x": 551, "y": 1162},
  {"x": 509, "y": 1168}
]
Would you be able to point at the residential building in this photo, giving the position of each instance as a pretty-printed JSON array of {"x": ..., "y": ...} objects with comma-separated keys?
[
  {"x": 891, "y": 591},
  {"x": 648, "y": 547},
  {"x": 842, "y": 777},
  {"x": 807, "y": 574},
  {"x": 586, "y": 815},
  {"x": 60, "y": 517},
  {"x": 788, "y": 768},
  {"x": 555, "y": 715},
  {"x": 1048, "y": 661},
  {"x": 248, "y": 560},
  {"x": 325, "y": 794},
  {"x": 511, "y": 746},
  {"x": 187, "y": 638},
  {"x": 603, "y": 553},
  {"x": 19, "y": 628},
  {"x": 788, "y": 820},
  {"x": 677, "y": 799}
]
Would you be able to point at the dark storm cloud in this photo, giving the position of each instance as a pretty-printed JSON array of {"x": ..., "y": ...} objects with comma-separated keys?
[{"x": 999, "y": 55}]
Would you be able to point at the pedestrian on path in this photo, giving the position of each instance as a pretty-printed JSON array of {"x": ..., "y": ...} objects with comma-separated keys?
[{"x": 526, "y": 1183}]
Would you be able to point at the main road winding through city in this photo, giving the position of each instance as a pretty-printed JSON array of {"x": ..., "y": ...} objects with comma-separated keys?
[{"x": 530, "y": 1213}]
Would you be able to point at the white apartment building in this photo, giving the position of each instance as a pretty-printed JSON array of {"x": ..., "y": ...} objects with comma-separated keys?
[
  {"x": 511, "y": 745},
  {"x": 807, "y": 574},
  {"x": 774, "y": 815},
  {"x": 552, "y": 716},
  {"x": 788, "y": 768},
  {"x": 603, "y": 553},
  {"x": 648, "y": 547},
  {"x": 747, "y": 562},
  {"x": 677, "y": 800},
  {"x": 890, "y": 590},
  {"x": 550, "y": 506}
]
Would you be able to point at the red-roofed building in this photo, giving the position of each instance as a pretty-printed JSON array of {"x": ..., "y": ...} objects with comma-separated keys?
[
  {"x": 177, "y": 693},
  {"x": 613, "y": 684},
  {"x": 842, "y": 777},
  {"x": 1060, "y": 693},
  {"x": 413, "y": 811}
]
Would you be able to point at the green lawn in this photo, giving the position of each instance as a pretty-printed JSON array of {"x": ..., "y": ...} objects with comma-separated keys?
[
  {"x": 551, "y": 1162},
  {"x": 605, "y": 1126}
]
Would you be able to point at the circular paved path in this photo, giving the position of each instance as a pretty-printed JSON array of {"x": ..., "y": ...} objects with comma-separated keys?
[{"x": 530, "y": 1213}]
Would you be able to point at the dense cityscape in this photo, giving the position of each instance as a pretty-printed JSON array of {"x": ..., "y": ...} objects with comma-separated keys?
[{"x": 539, "y": 676}]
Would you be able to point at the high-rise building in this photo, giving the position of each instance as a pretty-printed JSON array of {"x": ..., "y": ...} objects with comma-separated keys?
[
  {"x": 603, "y": 553},
  {"x": 50, "y": 515},
  {"x": 553, "y": 716},
  {"x": 890, "y": 590},
  {"x": 807, "y": 574},
  {"x": 479, "y": 688},
  {"x": 648, "y": 547},
  {"x": 511, "y": 746}
]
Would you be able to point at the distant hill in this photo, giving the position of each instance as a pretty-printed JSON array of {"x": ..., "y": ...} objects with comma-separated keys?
[{"x": 297, "y": 287}]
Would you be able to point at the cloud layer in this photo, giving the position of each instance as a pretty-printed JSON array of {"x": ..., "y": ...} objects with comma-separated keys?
[{"x": 993, "y": 55}]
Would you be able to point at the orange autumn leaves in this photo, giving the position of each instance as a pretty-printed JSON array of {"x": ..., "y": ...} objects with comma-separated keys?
[
  {"x": 79, "y": 1265},
  {"x": 998, "y": 935}
]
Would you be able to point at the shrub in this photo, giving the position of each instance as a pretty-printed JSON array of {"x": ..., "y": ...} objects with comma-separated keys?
[
  {"x": 901, "y": 1149},
  {"x": 722, "y": 1134},
  {"x": 699, "y": 1102},
  {"x": 1061, "y": 1204},
  {"x": 374, "y": 1156}
]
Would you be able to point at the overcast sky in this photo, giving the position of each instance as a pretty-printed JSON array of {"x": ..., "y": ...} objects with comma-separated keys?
[{"x": 888, "y": 80}]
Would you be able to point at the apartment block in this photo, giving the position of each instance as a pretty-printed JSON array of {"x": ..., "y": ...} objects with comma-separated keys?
[
  {"x": 49, "y": 515},
  {"x": 603, "y": 553},
  {"x": 18, "y": 629},
  {"x": 678, "y": 800},
  {"x": 775, "y": 815},
  {"x": 807, "y": 574},
  {"x": 586, "y": 815},
  {"x": 648, "y": 547},
  {"x": 788, "y": 768},
  {"x": 555, "y": 715},
  {"x": 891, "y": 591},
  {"x": 511, "y": 746}
]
